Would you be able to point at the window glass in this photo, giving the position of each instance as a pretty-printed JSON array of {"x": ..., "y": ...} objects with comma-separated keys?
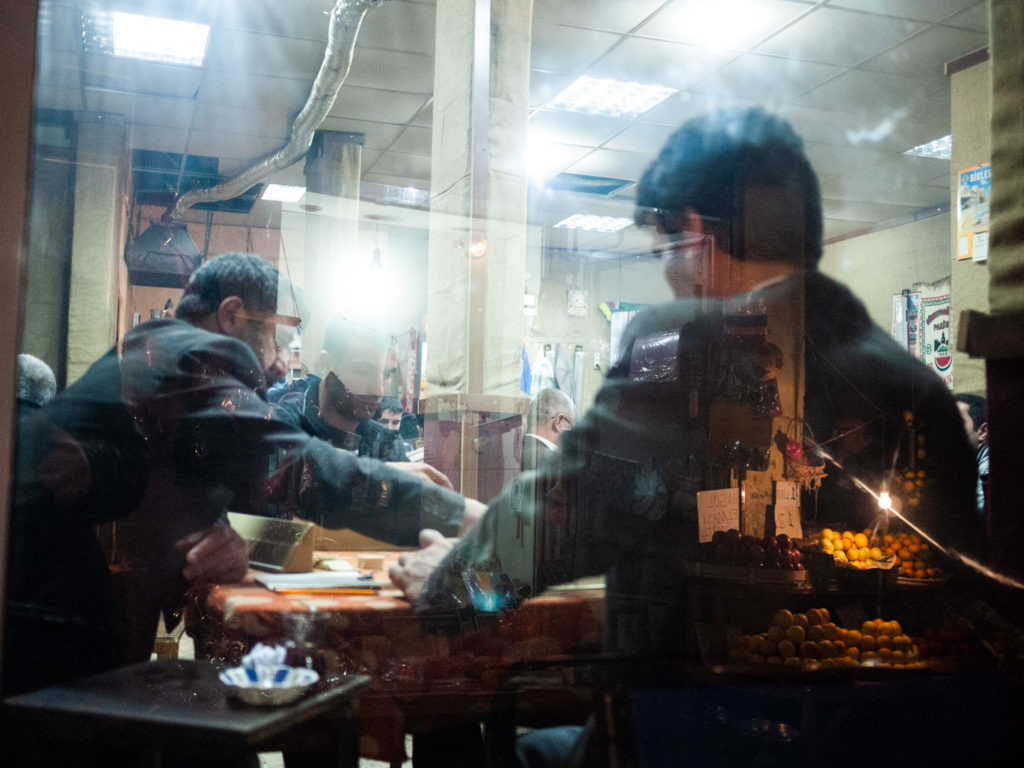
[{"x": 701, "y": 375}]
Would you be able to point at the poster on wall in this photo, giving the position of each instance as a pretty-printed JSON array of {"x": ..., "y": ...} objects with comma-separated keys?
[
  {"x": 936, "y": 334},
  {"x": 905, "y": 321},
  {"x": 972, "y": 214}
]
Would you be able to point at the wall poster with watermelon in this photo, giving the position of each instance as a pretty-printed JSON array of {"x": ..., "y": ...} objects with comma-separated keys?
[
  {"x": 921, "y": 325},
  {"x": 936, "y": 330}
]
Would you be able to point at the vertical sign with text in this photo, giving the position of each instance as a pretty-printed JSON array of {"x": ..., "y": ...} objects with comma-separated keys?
[{"x": 787, "y": 510}]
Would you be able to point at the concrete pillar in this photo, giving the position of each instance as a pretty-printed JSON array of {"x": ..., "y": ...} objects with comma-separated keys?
[
  {"x": 477, "y": 246},
  {"x": 998, "y": 337},
  {"x": 97, "y": 242},
  {"x": 331, "y": 262},
  {"x": 970, "y": 113}
]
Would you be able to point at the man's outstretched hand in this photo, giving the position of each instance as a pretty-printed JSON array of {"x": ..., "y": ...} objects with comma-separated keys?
[
  {"x": 413, "y": 568},
  {"x": 217, "y": 554},
  {"x": 423, "y": 471}
]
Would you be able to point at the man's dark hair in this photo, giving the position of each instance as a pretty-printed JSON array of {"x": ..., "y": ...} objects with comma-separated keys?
[
  {"x": 246, "y": 275},
  {"x": 389, "y": 403},
  {"x": 36, "y": 382},
  {"x": 975, "y": 407},
  {"x": 709, "y": 162}
]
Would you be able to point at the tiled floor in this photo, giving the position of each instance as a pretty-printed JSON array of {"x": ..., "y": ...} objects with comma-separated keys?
[{"x": 274, "y": 759}]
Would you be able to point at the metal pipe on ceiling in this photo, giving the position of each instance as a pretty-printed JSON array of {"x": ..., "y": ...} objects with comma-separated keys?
[{"x": 345, "y": 20}]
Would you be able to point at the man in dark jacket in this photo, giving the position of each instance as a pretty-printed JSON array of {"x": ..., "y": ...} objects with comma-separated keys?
[
  {"x": 737, "y": 215},
  {"x": 164, "y": 440}
]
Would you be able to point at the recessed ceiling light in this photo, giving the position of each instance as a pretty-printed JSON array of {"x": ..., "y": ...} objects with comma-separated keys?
[
  {"x": 594, "y": 223},
  {"x": 283, "y": 193},
  {"x": 597, "y": 96},
  {"x": 150, "y": 38},
  {"x": 939, "y": 148}
]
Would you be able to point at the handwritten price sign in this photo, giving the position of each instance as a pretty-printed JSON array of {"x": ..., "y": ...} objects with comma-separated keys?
[
  {"x": 718, "y": 511},
  {"x": 787, "y": 510}
]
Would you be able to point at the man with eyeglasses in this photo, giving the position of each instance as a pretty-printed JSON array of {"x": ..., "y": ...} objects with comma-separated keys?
[
  {"x": 551, "y": 413},
  {"x": 164, "y": 438},
  {"x": 736, "y": 210}
]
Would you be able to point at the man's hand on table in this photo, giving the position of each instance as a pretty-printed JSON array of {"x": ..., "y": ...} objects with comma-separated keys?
[
  {"x": 217, "y": 555},
  {"x": 423, "y": 471},
  {"x": 413, "y": 568}
]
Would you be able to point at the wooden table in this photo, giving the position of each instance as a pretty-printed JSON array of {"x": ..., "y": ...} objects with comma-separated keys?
[
  {"x": 179, "y": 707},
  {"x": 420, "y": 681}
]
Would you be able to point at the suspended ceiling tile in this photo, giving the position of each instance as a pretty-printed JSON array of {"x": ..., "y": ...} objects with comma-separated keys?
[
  {"x": 868, "y": 93},
  {"x": 60, "y": 27},
  {"x": 726, "y": 24},
  {"x": 272, "y": 93},
  {"x": 563, "y": 127},
  {"x": 386, "y": 70},
  {"x": 261, "y": 54},
  {"x": 257, "y": 123},
  {"x": 378, "y": 135},
  {"x": 160, "y": 111},
  {"x": 770, "y": 79},
  {"x": 414, "y": 141},
  {"x": 925, "y": 55},
  {"x": 974, "y": 18},
  {"x": 613, "y": 163},
  {"x": 547, "y": 159},
  {"x": 833, "y": 36},
  {"x": 116, "y": 102},
  {"x": 131, "y": 75},
  {"x": 158, "y": 138},
  {"x": 609, "y": 15},
  {"x": 544, "y": 86},
  {"x": 49, "y": 97},
  {"x": 399, "y": 26},
  {"x": 424, "y": 117},
  {"x": 61, "y": 69},
  {"x": 686, "y": 104},
  {"x": 922, "y": 10},
  {"x": 657, "y": 62},
  {"x": 234, "y": 154},
  {"x": 561, "y": 48},
  {"x": 641, "y": 137},
  {"x": 306, "y": 19},
  {"x": 375, "y": 105}
]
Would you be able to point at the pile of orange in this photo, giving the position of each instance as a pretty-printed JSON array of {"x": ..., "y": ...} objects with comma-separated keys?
[
  {"x": 914, "y": 557},
  {"x": 861, "y": 550},
  {"x": 811, "y": 641}
]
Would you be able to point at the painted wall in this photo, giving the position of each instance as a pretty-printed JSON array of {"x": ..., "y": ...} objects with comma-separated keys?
[
  {"x": 877, "y": 265},
  {"x": 971, "y": 100}
]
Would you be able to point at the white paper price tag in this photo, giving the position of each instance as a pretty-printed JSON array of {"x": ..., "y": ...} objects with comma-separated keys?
[
  {"x": 717, "y": 511},
  {"x": 787, "y": 510}
]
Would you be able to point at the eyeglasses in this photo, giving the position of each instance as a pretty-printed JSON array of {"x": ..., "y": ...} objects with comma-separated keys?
[{"x": 289, "y": 320}]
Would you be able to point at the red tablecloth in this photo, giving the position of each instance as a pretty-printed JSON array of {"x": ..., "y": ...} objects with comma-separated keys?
[{"x": 379, "y": 635}]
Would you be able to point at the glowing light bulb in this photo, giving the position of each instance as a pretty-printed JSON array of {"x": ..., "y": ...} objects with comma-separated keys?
[{"x": 883, "y": 500}]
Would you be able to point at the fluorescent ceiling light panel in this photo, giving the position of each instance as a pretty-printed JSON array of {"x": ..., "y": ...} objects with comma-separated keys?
[
  {"x": 149, "y": 38},
  {"x": 939, "y": 148},
  {"x": 598, "y": 96},
  {"x": 593, "y": 223},
  {"x": 283, "y": 193}
]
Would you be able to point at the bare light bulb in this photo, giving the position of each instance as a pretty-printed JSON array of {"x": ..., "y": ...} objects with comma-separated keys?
[{"x": 884, "y": 501}]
